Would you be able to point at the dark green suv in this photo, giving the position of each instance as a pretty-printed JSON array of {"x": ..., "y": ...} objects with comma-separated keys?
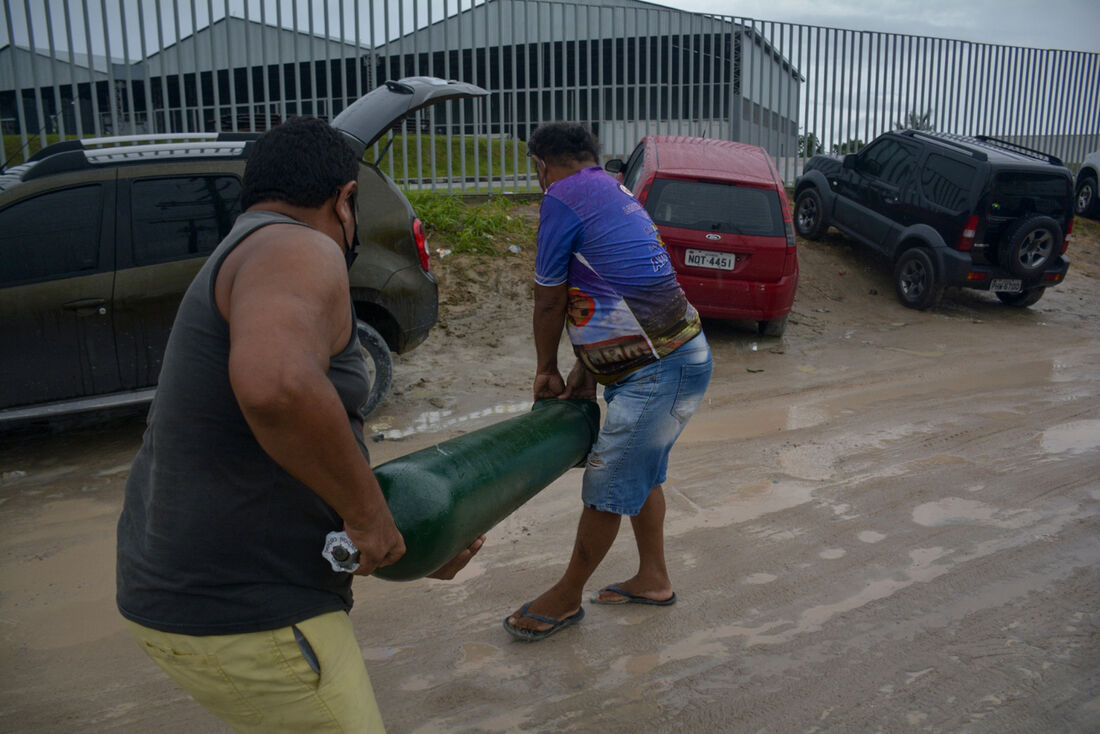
[{"x": 100, "y": 238}]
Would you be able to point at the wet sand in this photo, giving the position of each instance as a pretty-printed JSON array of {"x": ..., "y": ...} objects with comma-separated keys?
[{"x": 886, "y": 520}]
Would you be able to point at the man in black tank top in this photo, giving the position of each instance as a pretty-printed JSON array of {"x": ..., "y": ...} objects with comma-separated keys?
[{"x": 254, "y": 452}]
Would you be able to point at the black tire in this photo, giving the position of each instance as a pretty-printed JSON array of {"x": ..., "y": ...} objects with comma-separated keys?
[
  {"x": 809, "y": 215},
  {"x": 379, "y": 365},
  {"x": 775, "y": 327},
  {"x": 1021, "y": 300},
  {"x": 1029, "y": 245},
  {"x": 915, "y": 279},
  {"x": 1085, "y": 202}
]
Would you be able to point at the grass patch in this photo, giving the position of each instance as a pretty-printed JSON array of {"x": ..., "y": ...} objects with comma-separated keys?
[
  {"x": 487, "y": 228},
  {"x": 454, "y": 158}
]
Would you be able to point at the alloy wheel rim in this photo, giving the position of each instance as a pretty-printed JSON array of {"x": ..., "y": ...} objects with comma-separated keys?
[{"x": 1036, "y": 248}]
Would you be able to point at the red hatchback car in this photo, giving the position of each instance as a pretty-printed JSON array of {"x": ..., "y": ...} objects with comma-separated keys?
[{"x": 722, "y": 211}]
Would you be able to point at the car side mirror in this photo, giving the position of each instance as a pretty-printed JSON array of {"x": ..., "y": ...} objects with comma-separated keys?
[
  {"x": 615, "y": 165},
  {"x": 850, "y": 161}
]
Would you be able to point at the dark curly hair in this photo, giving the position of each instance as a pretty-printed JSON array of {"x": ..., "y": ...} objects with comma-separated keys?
[
  {"x": 563, "y": 143},
  {"x": 302, "y": 162}
]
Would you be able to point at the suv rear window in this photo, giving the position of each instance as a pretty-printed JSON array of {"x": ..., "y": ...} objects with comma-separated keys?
[
  {"x": 946, "y": 181},
  {"x": 715, "y": 207},
  {"x": 1017, "y": 193}
]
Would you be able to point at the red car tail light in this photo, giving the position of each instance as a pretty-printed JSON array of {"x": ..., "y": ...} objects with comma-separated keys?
[
  {"x": 421, "y": 238},
  {"x": 1069, "y": 233},
  {"x": 966, "y": 239}
]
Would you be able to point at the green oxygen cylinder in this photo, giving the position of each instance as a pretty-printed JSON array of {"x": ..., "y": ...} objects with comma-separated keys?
[{"x": 445, "y": 496}]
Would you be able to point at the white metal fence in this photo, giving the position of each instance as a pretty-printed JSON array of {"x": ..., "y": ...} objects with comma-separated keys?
[{"x": 83, "y": 68}]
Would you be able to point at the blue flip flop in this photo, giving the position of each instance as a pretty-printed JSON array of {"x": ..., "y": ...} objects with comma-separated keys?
[
  {"x": 629, "y": 598},
  {"x": 533, "y": 635}
]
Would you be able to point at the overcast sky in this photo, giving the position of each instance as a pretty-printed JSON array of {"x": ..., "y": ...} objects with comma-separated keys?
[
  {"x": 1068, "y": 24},
  {"x": 1060, "y": 24}
]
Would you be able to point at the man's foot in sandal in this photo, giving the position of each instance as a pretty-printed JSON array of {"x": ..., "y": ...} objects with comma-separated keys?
[
  {"x": 615, "y": 594},
  {"x": 548, "y": 625}
]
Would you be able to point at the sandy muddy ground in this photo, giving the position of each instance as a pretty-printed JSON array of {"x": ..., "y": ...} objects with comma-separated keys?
[{"x": 886, "y": 520}]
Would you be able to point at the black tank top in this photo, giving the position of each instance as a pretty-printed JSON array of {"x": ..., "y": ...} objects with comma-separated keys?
[{"x": 216, "y": 538}]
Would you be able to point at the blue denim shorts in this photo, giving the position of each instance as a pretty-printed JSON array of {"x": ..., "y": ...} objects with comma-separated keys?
[{"x": 646, "y": 411}]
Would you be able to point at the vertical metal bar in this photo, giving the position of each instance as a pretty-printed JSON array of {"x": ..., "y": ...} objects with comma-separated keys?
[
  {"x": 663, "y": 90},
  {"x": 419, "y": 116},
  {"x": 430, "y": 71},
  {"x": 401, "y": 73},
  {"x": 231, "y": 69},
  {"x": 145, "y": 70},
  {"x": 128, "y": 67},
  {"x": 248, "y": 67},
  {"x": 279, "y": 57},
  {"x": 447, "y": 108},
  {"x": 59, "y": 118},
  {"x": 1062, "y": 83},
  {"x": 767, "y": 114},
  {"x": 538, "y": 63},
  {"x": 637, "y": 84},
  {"x": 675, "y": 84},
  {"x": 213, "y": 65},
  {"x": 182, "y": 90},
  {"x": 344, "y": 44},
  {"x": 516, "y": 37},
  {"x": 692, "y": 107},
  {"x": 879, "y": 86},
  {"x": 723, "y": 79},
  {"x": 78, "y": 112},
  {"x": 802, "y": 109},
  {"x": 1014, "y": 79},
  {"x": 111, "y": 102},
  {"x": 40, "y": 108},
  {"x": 200, "y": 98},
  {"x": 462, "y": 107},
  {"x": 835, "y": 89},
  {"x": 17, "y": 92}
]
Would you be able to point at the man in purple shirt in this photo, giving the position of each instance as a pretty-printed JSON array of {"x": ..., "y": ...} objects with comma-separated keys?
[{"x": 603, "y": 273}]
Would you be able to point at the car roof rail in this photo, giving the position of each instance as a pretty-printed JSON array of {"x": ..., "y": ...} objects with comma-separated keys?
[
  {"x": 1017, "y": 148},
  {"x": 955, "y": 141},
  {"x": 76, "y": 155}
]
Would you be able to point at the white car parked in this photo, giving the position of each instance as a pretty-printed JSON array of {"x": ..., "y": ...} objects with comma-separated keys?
[{"x": 1085, "y": 203}]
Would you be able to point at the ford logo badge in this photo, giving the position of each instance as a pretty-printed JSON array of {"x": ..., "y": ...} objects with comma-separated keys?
[{"x": 714, "y": 236}]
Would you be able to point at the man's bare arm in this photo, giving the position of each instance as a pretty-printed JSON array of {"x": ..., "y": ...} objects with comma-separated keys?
[
  {"x": 288, "y": 311},
  {"x": 549, "y": 319}
]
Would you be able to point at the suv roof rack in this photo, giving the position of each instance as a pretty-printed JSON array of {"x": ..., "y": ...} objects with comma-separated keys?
[
  {"x": 1017, "y": 148},
  {"x": 955, "y": 141},
  {"x": 74, "y": 155}
]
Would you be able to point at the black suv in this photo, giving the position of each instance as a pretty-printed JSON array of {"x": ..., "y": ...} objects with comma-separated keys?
[
  {"x": 100, "y": 238},
  {"x": 947, "y": 211}
]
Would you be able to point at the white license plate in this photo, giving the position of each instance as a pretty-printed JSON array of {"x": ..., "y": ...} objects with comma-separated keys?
[
  {"x": 710, "y": 259},
  {"x": 1006, "y": 285}
]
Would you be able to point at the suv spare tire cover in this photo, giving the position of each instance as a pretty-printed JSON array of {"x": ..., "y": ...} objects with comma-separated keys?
[{"x": 1029, "y": 245}]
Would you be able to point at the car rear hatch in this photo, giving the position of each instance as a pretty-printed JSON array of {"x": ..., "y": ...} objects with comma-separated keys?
[
  {"x": 369, "y": 117},
  {"x": 720, "y": 229}
]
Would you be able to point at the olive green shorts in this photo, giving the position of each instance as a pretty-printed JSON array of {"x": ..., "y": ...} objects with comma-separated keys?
[{"x": 267, "y": 681}]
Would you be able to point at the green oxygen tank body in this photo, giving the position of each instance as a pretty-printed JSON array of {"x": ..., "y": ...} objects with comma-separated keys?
[{"x": 445, "y": 496}]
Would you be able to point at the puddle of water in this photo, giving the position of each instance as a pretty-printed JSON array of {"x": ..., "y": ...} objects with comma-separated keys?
[
  {"x": 831, "y": 554},
  {"x": 952, "y": 510},
  {"x": 870, "y": 536},
  {"x": 760, "y": 578},
  {"x": 477, "y": 652},
  {"x": 1076, "y": 437}
]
